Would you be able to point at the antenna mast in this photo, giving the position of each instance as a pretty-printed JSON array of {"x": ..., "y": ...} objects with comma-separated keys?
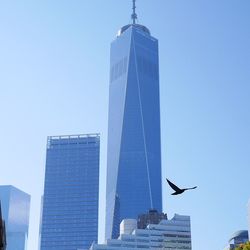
[{"x": 134, "y": 15}]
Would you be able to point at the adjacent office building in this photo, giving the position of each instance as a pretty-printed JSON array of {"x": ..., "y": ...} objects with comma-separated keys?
[
  {"x": 239, "y": 237},
  {"x": 70, "y": 201},
  {"x": 167, "y": 234},
  {"x": 134, "y": 140},
  {"x": 15, "y": 211}
]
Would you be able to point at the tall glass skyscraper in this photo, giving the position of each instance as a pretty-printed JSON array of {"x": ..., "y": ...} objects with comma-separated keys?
[
  {"x": 71, "y": 190},
  {"x": 134, "y": 144},
  {"x": 15, "y": 210}
]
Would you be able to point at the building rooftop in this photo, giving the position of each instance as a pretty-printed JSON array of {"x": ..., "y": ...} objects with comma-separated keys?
[
  {"x": 59, "y": 137},
  {"x": 168, "y": 234},
  {"x": 137, "y": 26},
  {"x": 134, "y": 24},
  {"x": 61, "y": 140}
]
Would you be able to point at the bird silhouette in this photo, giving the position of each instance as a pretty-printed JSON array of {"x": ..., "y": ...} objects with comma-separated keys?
[{"x": 177, "y": 189}]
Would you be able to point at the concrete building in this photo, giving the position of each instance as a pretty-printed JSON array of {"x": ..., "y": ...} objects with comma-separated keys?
[
  {"x": 168, "y": 234},
  {"x": 15, "y": 210}
]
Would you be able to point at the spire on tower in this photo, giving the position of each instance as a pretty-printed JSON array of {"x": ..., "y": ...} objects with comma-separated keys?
[{"x": 134, "y": 15}]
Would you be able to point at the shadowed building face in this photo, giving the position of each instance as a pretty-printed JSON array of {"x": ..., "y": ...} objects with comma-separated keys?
[{"x": 2, "y": 232}]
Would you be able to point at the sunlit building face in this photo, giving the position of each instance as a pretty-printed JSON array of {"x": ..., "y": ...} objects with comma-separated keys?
[{"x": 134, "y": 144}]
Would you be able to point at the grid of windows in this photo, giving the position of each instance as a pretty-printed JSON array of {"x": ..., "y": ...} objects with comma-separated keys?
[
  {"x": 70, "y": 203},
  {"x": 172, "y": 234},
  {"x": 118, "y": 69}
]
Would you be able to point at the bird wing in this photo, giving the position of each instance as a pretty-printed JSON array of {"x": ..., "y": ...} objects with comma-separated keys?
[
  {"x": 175, "y": 188},
  {"x": 190, "y": 188}
]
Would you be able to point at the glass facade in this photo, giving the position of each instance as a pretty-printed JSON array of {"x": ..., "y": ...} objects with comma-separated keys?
[
  {"x": 15, "y": 211},
  {"x": 70, "y": 201},
  {"x": 238, "y": 238},
  {"x": 134, "y": 146}
]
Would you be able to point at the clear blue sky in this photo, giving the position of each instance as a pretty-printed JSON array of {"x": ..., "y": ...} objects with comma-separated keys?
[{"x": 54, "y": 74}]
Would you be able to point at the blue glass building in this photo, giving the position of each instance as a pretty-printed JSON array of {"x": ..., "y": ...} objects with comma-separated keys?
[
  {"x": 15, "y": 211},
  {"x": 134, "y": 144},
  {"x": 71, "y": 190}
]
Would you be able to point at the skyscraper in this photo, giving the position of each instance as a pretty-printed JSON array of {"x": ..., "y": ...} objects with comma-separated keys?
[
  {"x": 71, "y": 190},
  {"x": 15, "y": 210},
  {"x": 134, "y": 144}
]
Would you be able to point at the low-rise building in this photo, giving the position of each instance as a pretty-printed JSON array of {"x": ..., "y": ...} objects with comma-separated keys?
[
  {"x": 236, "y": 239},
  {"x": 167, "y": 234}
]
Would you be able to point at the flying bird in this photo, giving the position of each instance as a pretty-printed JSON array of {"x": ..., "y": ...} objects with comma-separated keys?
[{"x": 177, "y": 189}]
